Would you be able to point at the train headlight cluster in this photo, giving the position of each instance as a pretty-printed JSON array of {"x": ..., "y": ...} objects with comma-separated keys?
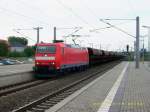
[
  {"x": 53, "y": 63},
  {"x": 37, "y": 63}
]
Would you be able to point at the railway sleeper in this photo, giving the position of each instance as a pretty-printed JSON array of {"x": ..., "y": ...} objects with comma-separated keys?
[
  {"x": 47, "y": 104},
  {"x": 59, "y": 98},
  {"x": 42, "y": 106},
  {"x": 52, "y": 101},
  {"x": 65, "y": 94},
  {"x": 37, "y": 110}
]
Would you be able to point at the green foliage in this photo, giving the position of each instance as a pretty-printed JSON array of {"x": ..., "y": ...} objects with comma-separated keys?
[
  {"x": 21, "y": 40},
  {"x": 16, "y": 54},
  {"x": 3, "y": 48},
  {"x": 29, "y": 51}
]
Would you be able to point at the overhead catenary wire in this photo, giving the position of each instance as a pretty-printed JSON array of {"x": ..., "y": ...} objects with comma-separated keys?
[
  {"x": 72, "y": 33},
  {"x": 119, "y": 29},
  {"x": 94, "y": 14},
  {"x": 24, "y": 35},
  {"x": 22, "y": 15},
  {"x": 73, "y": 12},
  {"x": 34, "y": 7},
  {"x": 103, "y": 28},
  {"x": 90, "y": 10}
]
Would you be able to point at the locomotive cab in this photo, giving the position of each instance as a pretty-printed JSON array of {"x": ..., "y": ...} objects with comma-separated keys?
[{"x": 45, "y": 57}]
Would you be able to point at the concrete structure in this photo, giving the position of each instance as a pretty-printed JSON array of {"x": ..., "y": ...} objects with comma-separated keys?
[
  {"x": 122, "y": 89},
  {"x": 12, "y": 74},
  {"x": 17, "y": 47}
]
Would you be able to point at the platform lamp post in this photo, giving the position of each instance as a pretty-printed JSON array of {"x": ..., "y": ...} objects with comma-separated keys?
[
  {"x": 148, "y": 27},
  {"x": 142, "y": 48}
]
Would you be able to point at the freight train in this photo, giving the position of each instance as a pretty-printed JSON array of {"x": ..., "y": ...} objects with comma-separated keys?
[{"x": 60, "y": 57}]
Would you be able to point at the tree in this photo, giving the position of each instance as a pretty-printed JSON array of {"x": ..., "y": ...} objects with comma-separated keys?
[
  {"x": 4, "y": 49},
  {"x": 19, "y": 40},
  {"x": 29, "y": 51},
  {"x": 16, "y": 54}
]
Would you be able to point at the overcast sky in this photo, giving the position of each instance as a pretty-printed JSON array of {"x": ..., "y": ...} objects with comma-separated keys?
[{"x": 26, "y": 14}]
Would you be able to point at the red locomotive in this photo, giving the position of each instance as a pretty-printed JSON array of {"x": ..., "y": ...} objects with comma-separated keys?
[{"x": 59, "y": 57}]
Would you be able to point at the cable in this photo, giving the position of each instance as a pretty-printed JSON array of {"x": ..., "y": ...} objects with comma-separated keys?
[
  {"x": 116, "y": 28},
  {"x": 24, "y": 35},
  {"x": 31, "y": 6},
  {"x": 90, "y": 10},
  {"x": 74, "y": 13},
  {"x": 108, "y": 26},
  {"x": 19, "y": 14},
  {"x": 73, "y": 32}
]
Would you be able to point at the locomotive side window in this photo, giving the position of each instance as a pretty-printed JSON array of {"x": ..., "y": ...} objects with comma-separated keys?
[{"x": 46, "y": 49}]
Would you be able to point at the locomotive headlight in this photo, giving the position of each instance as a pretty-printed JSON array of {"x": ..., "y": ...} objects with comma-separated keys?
[
  {"x": 53, "y": 63},
  {"x": 52, "y": 58},
  {"x": 37, "y": 63}
]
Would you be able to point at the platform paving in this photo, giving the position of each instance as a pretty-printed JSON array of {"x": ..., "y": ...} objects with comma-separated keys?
[
  {"x": 121, "y": 89},
  {"x": 13, "y": 74},
  {"x": 13, "y": 69}
]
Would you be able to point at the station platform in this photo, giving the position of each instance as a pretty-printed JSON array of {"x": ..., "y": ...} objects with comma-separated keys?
[
  {"x": 121, "y": 89},
  {"x": 13, "y": 74},
  {"x": 13, "y": 69}
]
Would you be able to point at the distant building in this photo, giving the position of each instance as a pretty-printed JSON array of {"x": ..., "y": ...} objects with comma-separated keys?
[{"x": 17, "y": 47}]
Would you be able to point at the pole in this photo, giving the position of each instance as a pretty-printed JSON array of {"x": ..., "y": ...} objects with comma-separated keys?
[
  {"x": 143, "y": 50},
  {"x": 38, "y": 31},
  {"x": 148, "y": 39},
  {"x": 134, "y": 50},
  {"x": 54, "y": 34},
  {"x": 148, "y": 28},
  {"x": 137, "y": 42},
  {"x": 149, "y": 46},
  {"x": 38, "y": 35}
]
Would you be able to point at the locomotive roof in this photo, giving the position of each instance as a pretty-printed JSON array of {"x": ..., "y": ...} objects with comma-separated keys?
[
  {"x": 47, "y": 44},
  {"x": 60, "y": 44}
]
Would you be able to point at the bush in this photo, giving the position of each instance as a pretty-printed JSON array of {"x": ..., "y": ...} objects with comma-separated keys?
[
  {"x": 29, "y": 51},
  {"x": 16, "y": 54}
]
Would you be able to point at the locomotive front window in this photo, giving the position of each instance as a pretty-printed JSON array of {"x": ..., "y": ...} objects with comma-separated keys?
[{"x": 46, "y": 49}]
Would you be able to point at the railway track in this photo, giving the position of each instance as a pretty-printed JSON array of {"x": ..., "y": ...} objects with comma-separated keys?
[
  {"x": 53, "y": 98},
  {"x": 20, "y": 86}
]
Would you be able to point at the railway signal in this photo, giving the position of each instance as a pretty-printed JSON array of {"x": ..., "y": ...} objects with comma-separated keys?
[{"x": 127, "y": 48}]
